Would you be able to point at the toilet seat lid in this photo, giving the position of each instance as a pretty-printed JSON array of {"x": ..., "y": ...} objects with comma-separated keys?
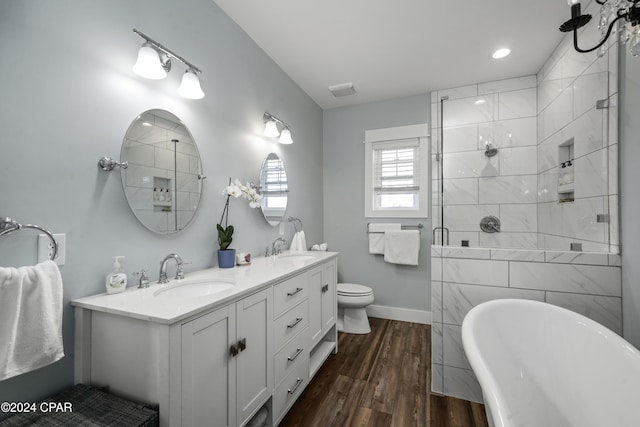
[{"x": 353, "y": 289}]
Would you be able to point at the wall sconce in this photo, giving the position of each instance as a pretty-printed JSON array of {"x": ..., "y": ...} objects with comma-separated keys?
[
  {"x": 271, "y": 129},
  {"x": 610, "y": 13},
  {"x": 154, "y": 62}
]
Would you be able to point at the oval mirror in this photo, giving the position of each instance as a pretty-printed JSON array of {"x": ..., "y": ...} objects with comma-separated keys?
[
  {"x": 163, "y": 182},
  {"x": 274, "y": 189}
]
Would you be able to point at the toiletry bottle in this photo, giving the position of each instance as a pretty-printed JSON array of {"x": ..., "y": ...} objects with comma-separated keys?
[{"x": 117, "y": 279}]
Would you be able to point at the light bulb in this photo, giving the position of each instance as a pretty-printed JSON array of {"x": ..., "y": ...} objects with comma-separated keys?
[
  {"x": 285, "y": 137},
  {"x": 190, "y": 86},
  {"x": 572, "y": 2},
  {"x": 148, "y": 64},
  {"x": 271, "y": 129}
]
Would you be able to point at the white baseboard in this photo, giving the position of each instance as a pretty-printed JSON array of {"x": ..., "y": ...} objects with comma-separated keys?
[{"x": 401, "y": 314}]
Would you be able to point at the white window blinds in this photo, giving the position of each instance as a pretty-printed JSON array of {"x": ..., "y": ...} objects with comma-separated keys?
[
  {"x": 274, "y": 184},
  {"x": 396, "y": 174}
]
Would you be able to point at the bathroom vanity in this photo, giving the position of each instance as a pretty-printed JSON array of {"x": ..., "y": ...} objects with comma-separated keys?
[{"x": 217, "y": 346}]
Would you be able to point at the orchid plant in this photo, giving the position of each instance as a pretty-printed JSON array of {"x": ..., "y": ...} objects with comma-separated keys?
[{"x": 235, "y": 189}]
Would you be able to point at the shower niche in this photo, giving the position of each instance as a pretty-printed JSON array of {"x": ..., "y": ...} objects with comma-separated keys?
[{"x": 566, "y": 174}]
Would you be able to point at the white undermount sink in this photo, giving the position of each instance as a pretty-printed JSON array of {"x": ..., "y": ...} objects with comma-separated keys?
[{"x": 193, "y": 289}]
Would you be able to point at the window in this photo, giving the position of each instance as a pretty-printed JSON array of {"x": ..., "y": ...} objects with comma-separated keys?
[{"x": 397, "y": 174}]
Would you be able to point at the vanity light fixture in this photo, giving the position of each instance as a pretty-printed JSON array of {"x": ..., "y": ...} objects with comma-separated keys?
[
  {"x": 190, "y": 86},
  {"x": 154, "y": 62},
  {"x": 610, "y": 13},
  {"x": 149, "y": 65},
  {"x": 285, "y": 137},
  {"x": 271, "y": 129}
]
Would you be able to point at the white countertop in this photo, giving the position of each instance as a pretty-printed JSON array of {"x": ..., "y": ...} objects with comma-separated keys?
[{"x": 145, "y": 305}]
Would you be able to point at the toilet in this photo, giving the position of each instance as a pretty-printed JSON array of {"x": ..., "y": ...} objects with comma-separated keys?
[{"x": 352, "y": 315}]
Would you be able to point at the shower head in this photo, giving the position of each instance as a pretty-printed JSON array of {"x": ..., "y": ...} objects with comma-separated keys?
[{"x": 489, "y": 150}]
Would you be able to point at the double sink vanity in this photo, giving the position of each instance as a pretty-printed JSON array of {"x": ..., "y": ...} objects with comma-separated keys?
[{"x": 218, "y": 345}]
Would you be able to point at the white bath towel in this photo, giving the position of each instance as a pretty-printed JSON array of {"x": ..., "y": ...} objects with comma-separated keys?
[
  {"x": 30, "y": 318},
  {"x": 298, "y": 243},
  {"x": 402, "y": 247},
  {"x": 376, "y": 236}
]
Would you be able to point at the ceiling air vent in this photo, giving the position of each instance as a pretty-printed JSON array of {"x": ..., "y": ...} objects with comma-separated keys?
[{"x": 342, "y": 89}]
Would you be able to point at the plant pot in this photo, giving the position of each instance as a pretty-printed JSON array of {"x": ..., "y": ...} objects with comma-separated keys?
[{"x": 226, "y": 258}]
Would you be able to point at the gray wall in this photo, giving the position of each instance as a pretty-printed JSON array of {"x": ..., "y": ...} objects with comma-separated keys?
[
  {"x": 68, "y": 97},
  {"x": 344, "y": 221},
  {"x": 630, "y": 196}
]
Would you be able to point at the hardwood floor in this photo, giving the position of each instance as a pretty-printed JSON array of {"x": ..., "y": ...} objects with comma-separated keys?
[{"x": 381, "y": 379}]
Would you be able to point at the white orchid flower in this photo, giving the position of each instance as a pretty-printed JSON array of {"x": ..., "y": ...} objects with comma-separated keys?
[
  {"x": 232, "y": 190},
  {"x": 237, "y": 189}
]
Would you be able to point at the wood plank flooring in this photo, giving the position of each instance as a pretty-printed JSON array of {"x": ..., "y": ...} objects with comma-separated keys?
[{"x": 381, "y": 380}]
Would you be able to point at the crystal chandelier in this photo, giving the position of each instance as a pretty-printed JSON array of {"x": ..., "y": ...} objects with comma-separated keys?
[{"x": 611, "y": 11}]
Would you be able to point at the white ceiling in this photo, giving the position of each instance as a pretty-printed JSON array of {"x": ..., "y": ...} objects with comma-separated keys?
[{"x": 390, "y": 49}]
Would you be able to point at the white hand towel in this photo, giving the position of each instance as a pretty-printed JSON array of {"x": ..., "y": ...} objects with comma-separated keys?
[
  {"x": 376, "y": 236},
  {"x": 298, "y": 243},
  {"x": 30, "y": 318},
  {"x": 402, "y": 247}
]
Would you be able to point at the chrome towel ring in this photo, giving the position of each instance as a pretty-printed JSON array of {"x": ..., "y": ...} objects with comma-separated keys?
[{"x": 9, "y": 225}]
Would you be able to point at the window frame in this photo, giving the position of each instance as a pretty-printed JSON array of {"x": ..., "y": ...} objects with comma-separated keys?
[{"x": 377, "y": 139}]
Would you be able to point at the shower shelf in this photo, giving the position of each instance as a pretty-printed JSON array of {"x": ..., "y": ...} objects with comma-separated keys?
[
  {"x": 566, "y": 188},
  {"x": 566, "y": 175}
]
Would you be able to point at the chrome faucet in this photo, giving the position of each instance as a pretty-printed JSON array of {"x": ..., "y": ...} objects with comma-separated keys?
[
  {"x": 276, "y": 246},
  {"x": 163, "y": 268}
]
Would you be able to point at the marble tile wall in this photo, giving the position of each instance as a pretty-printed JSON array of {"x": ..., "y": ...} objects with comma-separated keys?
[
  {"x": 527, "y": 119},
  {"x": 587, "y": 283},
  {"x": 502, "y": 113},
  {"x": 569, "y": 85}
]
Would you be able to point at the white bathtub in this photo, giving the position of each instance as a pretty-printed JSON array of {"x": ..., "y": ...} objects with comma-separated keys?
[{"x": 540, "y": 365}]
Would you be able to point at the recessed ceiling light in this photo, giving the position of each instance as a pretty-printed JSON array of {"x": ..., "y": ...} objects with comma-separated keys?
[
  {"x": 501, "y": 53},
  {"x": 480, "y": 102}
]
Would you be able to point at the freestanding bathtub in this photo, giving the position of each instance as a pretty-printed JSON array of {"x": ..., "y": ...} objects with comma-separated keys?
[{"x": 540, "y": 365}]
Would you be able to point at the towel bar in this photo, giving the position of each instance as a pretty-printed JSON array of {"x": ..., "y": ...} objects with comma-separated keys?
[
  {"x": 419, "y": 226},
  {"x": 9, "y": 225}
]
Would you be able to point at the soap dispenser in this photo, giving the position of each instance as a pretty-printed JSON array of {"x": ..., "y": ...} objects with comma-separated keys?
[{"x": 117, "y": 279}]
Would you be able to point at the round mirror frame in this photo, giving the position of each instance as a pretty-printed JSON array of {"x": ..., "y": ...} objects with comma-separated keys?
[
  {"x": 163, "y": 180},
  {"x": 274, "y": 188}
]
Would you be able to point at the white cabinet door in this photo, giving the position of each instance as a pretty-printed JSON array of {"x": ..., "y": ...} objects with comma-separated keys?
[
  {"x": 208, "y": 369},
  {"x": 226, "y": 362},
  {"x": 316, "y": 283},
  {"x": 254, "y": 316},
  {"x": 329, "y": 296}
]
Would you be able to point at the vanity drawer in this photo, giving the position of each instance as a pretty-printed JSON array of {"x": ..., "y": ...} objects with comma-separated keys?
[
  {"x": 290, "y": 323},
  {"x": 287, "y": 392},
  {"x": 287, "y": 359},
  {"x": 289, "y": 293}
]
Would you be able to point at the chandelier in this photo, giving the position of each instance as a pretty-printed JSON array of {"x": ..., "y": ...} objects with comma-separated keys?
[{"x": 611, "y": 11}]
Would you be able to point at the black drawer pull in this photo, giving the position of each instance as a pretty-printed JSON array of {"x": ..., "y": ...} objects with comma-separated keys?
[
  {"x": 295, "y": 356},
  {"x": 293, "y": 325},
  {"x": 290, "y": 294},
  {"x": 295, "y": 387},
  {"x": 234, "y": 350}
]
